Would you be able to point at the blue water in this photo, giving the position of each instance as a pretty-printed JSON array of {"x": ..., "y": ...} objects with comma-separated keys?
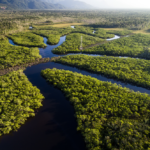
[
  {"x": 11, "y": 42},
  {"x": 73, "y": 27},
  {"x": 47, "y": 52},
  {"x": 54, "y": 126},
  {"x": 114, "y": 38}
]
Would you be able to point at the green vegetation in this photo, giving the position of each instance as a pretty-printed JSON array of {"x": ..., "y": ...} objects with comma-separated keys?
[
  {"x": 27, "y": 39},
  {"x": 24, "y": 66},
  {"x": 134, "y": 46},
  {"x": 20, "y": 20},
  {"x": 109, "y": 116},
  {"x": 18, "y": 100},
  {"x": 5, "y": 25},
  {"x": 73, "y": 42},
  {"x": 101, "y": 33},
  {"x": 53, "y": 39},
  {"x": 52, "y": 30},
  {"x": 131, "y": 70},
  {"x": 52, "y": 35},
  {"x": 16, "y": 55},
  {"x": 119, "y": 32}
]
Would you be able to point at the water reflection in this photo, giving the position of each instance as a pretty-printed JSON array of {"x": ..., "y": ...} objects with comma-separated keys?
[
  {"x": 73, "y": 27},
  {"x": 94, "y": 32},
  {"x": 114, "y": 38}
]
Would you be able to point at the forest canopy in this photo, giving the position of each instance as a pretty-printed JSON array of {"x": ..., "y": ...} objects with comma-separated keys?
[
  {"x": 18, "y": 101},
  {"x": 73, "y": 43},
  {"x": 109, "y": 116},
  {"x": 27, "y": 39},
  {"x": 136, "y": 45},
  {"x": 130, "y": 70},
  {"x": 11, "y": 55}
]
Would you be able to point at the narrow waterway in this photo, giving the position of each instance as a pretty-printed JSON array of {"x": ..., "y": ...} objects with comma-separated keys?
[
  {"x": 114, "y": 38},
  {"x": 54, "y": 126}
]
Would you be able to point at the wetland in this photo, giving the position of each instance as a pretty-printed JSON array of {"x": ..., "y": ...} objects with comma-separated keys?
[{"x": 69, "y": 103}]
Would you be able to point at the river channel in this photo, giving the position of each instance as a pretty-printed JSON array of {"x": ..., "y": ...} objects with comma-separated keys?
[{"x": 54, "y": 126}]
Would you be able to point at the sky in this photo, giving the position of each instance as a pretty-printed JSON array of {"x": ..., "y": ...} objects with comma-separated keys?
[{"x": 119, "y": 3}]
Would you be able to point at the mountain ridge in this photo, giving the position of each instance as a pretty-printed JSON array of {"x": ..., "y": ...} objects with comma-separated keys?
[
  {"x": 75, "y": 4},
  {"x": 29, "y": 4},
  {"x": 71, "y": 4},
  {"x": 44, "y": 4}
]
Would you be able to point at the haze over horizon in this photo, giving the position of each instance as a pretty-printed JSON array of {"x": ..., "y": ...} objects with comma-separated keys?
[{"x": 119, "y": 4}]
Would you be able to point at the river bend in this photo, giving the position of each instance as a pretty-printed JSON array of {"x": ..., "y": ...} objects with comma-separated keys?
[{"x": 54, "y": 126}]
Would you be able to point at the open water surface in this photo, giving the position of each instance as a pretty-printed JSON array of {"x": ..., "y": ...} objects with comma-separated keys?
[
  {"x": 73, "y": 27},
  {"x": 54, "y": 126},
  {"x": 114, "y": 38}
]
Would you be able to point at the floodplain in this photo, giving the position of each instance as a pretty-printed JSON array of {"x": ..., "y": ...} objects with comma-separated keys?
[{"x": 92, "y": 101}]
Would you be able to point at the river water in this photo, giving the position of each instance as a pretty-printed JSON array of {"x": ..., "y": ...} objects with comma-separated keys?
[{"x": 54, "y": 126}]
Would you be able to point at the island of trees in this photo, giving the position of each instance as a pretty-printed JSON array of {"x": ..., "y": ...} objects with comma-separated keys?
[{"x": 109, "y": 117}]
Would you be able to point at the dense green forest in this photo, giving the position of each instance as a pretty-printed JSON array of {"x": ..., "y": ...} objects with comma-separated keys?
[
  {"x": 16, "y": 55},
  {"x": 89, "y": 30},
  {"x": 136, "y": 45},
  {"x": 45, "y": 30},
  {"x": 129, "y": 70},
  {"x": 120, "y": 32},
  {"x": 53, "y": 36},
  {"x": 7, "y": 25},
  {"x": 107, "y": 18},
  {"x": 18, "y": 100},
  {"x": 109, "y": 116},
  {"x": 27, "y": 39},
  {"x": 73, "y": 42},
  {"x": 99, "y": 32},
  {"x": 51, "y": 30},
  {"x": 17, "y": 20}
]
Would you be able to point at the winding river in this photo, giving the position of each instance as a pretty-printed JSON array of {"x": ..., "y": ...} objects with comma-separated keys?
[{"x": 54, "y": 126}]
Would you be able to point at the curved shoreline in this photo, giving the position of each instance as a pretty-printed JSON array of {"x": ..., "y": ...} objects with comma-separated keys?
[
  {"x": 54, "y": 126},
  {"x": 47, "y": 53}
]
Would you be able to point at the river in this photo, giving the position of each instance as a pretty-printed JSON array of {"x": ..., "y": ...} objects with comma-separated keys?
[{"x": 54, "y": 126}]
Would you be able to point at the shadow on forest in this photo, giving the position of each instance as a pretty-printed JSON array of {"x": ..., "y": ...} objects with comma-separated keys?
[{"x": 148, "y": 31}]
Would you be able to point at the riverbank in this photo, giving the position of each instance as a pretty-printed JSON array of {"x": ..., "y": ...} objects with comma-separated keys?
[
  {"x": 24, "y": 66},
  {"x": 54, "y": 125}
]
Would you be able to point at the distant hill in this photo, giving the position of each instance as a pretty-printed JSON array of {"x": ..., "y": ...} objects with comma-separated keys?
[
  {"x": 71, "y": 4},
  {"x": 53, "y": 1},
  {"x": 28, "y": 4}
]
